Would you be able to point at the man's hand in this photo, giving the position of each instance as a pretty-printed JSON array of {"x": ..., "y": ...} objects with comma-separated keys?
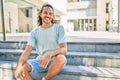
[
  {"x": 19, "y": 73},
  {"x": 45, "y": 59}
]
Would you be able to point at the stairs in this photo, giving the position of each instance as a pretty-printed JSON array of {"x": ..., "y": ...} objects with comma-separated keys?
[{"x": 86, "y": 61}]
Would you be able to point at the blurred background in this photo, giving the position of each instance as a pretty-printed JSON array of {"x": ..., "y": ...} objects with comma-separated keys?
[
  {"x": 19, "y": 17},
  {"x": 92, "y": 28}
]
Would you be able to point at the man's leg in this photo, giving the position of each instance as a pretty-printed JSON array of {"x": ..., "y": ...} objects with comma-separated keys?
[{"x": 56, "y": 66}]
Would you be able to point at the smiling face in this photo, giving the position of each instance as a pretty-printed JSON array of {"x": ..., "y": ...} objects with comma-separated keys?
[{"x": 47, "y": 15}]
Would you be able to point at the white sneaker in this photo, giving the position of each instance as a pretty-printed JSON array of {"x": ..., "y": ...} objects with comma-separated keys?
[{"x": 43, "y": 78}]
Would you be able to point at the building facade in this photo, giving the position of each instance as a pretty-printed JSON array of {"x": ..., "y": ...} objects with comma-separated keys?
[
  {"x": 75, "y": 15},
  {"x": 21, "y": 15},
  {"x": 91, "y": 15}
]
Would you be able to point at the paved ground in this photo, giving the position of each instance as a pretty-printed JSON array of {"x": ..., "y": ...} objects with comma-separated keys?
[
  {"x": 94, "y": 36},
  {"x": 78, "y": 36}
]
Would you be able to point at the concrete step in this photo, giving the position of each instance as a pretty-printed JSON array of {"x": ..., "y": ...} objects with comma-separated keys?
[
  {"x": 105, "y": 47},
  {"x": 69, "y": 72},
  {"x": 93, "y": 59},
  {"x": 108, "y": 47},
  {"x": 73, "y": 58},
  {"x": 13, "y": 55}
]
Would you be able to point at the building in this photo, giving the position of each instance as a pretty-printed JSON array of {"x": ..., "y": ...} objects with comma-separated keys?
[
  {"x": 75, "y": 15},
  {"x": 21, "y": 15},
  {"x": 92, "y": 15}
]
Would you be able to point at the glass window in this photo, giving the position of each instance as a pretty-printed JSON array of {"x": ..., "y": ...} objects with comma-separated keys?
[
  {"x": 107, "y": 25},
  {"x": 107, "y": 7},
  {"x": 90, "y": 20},
  {"x": 95, "y": 25},
  {"x": 82, "y": 24},
  {"x": 76, "y": 26},
  {"x": 27, "y": 12}
]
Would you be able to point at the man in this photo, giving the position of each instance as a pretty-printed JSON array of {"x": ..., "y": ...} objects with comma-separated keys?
[{"x": 50, "y": 43}]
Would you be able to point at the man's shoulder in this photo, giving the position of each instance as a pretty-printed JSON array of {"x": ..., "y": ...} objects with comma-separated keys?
[
  {"x": 34, "y": 30},
  {"x": 58, "y": 26}
]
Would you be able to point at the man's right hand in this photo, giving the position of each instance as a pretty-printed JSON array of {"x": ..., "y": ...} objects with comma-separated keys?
[
  {"x": 19, "y": 73},
  {"x": 45, "y": 59}
]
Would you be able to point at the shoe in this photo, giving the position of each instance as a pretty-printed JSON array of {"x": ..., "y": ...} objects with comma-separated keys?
[{"x": 43, "y": 78}]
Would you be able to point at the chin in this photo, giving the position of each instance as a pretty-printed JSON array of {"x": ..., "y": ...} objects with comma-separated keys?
[{"x": 47, "y": 22}]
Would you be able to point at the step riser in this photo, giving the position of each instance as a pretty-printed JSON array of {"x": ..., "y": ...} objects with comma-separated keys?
[
  {"x": 94, "y": 47},
  {"x": 73, "y": 60},
  {"x": 14, "y": 57},
  {"x": 8, "y": 74},
  {"x": 71, "y": 77},
  {"x": 72, "y": 46},
  {"x": 98, "y": 62}
]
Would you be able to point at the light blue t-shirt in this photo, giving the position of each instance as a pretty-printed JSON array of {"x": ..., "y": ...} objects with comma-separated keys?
[{"x": 47, "y": 39}]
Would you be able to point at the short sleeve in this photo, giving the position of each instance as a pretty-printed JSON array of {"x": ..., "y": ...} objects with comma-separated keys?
[
  {"x": 31, "y": 40},
  {"x": 61, "y": 33}
]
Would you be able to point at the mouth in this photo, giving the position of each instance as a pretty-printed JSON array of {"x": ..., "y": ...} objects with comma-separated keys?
[{"x": 47, "y": 18}]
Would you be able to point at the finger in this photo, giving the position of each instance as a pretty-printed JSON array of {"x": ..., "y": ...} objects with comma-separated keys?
[
  {"x": 40, "y": 62},
  {"x": 27, "y": 75},
  {"x": 24, "y": 73},
  {"x": 42, "y": 65},
  {"x": 21, "y": 77},
  {"x": 18, "y": 78},
  {"x": 45, "y": 64},
  {"x": 17, "y": 75}
]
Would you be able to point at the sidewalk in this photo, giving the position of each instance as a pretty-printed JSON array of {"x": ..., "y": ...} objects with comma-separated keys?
[
  {"x": 78, "y": 36},
  {"x": 99, "y": 36}
]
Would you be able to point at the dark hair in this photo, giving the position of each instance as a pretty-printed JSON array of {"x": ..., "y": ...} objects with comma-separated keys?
[{"x": 39, "y": 21}]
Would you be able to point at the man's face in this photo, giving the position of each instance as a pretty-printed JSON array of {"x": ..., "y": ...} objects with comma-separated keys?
[{"x": 47, "y": 15}]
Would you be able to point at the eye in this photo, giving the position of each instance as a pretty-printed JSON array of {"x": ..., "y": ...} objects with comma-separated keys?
[
  {"x": 45, "y": 12},
  {"x": 51, "y": 14}
]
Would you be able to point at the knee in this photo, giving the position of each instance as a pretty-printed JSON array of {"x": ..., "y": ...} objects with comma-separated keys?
[
  {"x": 61, "y": 59},
  {"x": 27, "y": 67}
]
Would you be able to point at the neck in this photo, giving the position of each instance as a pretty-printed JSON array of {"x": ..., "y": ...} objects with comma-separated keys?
[{"x": 46, "y": 25}]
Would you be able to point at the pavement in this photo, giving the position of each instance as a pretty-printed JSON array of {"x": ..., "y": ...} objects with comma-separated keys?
[
  {"x": 77, "y": 36},
  {"x": 93, "y": 36}
]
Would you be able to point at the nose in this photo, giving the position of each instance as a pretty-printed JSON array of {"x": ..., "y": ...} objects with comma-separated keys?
[{"x": 48, "y": 14}]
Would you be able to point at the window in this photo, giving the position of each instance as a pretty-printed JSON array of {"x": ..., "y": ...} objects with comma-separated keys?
[
  {"x": 27, "y": 12},
  {"x": 107, "y": 25},
  {"x": 107, "y": 7},
  {"x": 95, "y": 25}
]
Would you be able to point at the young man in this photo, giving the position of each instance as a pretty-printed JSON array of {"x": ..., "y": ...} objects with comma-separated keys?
[{"x": 50, "y": 43}]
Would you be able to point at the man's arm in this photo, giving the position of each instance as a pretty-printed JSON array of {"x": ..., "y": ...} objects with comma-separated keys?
[
  {"x": 61, "y": 50},
  {"x": 25, "y": 55},
  {"x": 45, "y": 59}
]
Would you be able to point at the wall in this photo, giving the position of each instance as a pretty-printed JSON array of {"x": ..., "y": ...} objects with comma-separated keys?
[
  {"x": 101, "y": 15},
  {"x": 11, "y": 16}
]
